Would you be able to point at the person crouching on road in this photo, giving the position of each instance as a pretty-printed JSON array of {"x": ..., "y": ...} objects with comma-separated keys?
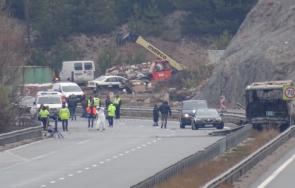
[
  {"x": 100, "y": 123},
  {"x": 156, "y": 115},
  {"x": 91, "y": 111},
  {"x": 44, "y": 113},
  {"x": 64, "y": 115},
  {"x": 111, "y": 114}
]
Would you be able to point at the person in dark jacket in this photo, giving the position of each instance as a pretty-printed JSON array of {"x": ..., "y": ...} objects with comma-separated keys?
[
  {"x": 107, "y": 103},
  {"x": 84, "y": 105},
  {"x": 156, "y": 115},
  {"x": 165, "y": 110},
  {"x": 72, "y": 105}
]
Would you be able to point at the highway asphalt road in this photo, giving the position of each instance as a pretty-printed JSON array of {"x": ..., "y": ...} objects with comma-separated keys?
[
  {"x": 280, "y": 174},
  {"x": 117, "y": 158}
]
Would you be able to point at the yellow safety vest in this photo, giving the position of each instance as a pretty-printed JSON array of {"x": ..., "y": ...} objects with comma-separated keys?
[
  {"x": 44, "y": 113},
  {"x": 89, "y": 102},
  {"x": 111, "y": 110},
  {"x": 96, "y": 101},
  {"x": 117, "y": 101}
]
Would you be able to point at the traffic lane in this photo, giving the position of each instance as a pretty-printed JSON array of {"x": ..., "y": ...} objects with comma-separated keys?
[
  {"x": 72, "y": 154},
  {"x": 64, "y": 162},
  {"x": 138, "y": 163},
  {"x": 279, "y": 174}
]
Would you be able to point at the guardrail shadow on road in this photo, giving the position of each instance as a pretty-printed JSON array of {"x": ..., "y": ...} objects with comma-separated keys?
[{"x": 198, "y": 158}]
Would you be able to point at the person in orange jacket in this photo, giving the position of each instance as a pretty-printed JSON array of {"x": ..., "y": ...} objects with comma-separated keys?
[{"x": 91, "y": 111}]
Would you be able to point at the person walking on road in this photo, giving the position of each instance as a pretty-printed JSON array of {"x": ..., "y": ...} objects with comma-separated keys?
[
  {"x": 107, "y": 103},
  {"x": 91, "y": 111},
  {"x": 84, "y": 105},
  {"x": 72, "y": 106},
  {"x": 96, "y": 101},
  {"x": 164, "y": 109},
  {"x": 101, "y": 118},
  {"x": 117, "y": 104},
  {"x": 44, "y": 113},
  {"x": 111, "y": 114},
  {"x": 156, "y": 115},
  {"x": 64, "y": 115}
]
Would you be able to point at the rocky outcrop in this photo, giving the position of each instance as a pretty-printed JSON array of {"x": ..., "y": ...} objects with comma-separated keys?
[{"x": 263, "y": 49}]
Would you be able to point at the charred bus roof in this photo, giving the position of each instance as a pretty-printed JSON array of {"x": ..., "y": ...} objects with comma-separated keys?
[{"x": 269, "y": 85}]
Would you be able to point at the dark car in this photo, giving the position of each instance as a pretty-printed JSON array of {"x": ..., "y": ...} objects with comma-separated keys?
[
  {"x": 188, "y": 109},
  {"x": 205, "y": 117}
]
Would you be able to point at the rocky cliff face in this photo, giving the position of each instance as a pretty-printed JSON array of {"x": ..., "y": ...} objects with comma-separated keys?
[{"x": 262, "y": 50}]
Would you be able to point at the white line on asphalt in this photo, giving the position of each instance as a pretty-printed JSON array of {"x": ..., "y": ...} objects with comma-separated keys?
[
  {"x": 87, "y": 168},
  {"x": 17, "y": 156},
  {"x": 121, "y": 154},
  {"x": 52, "y": 182},
  {"x": 143, "y": 145},
  {"x": 148, "y": 143},
  {"x": 108, "y": 159},
  {"x": 43, "y": 185},
  {"x": 85, "y": 141},
  {"x": 61, "y": 178},
  {"x": 279, "y": 170},
  {"x": 19, "y": 147},
  {"x": 101, "y": 162},
  {"x": 154, "y": 140},
  {"x": 94, "y": 165},
  {"x": 79, "y": 171},
  {"x": 71, "y": 175},
  {"x": 132, "y": 149},
  {"x": 13, "y": 165},
  {"x": 115, "y": 157},
  {"x": 127, "y": 152},
  {"x": 138, "y": 147},
  {"x": 159, "y": 138},
  {"x": 38, "y": 157}
]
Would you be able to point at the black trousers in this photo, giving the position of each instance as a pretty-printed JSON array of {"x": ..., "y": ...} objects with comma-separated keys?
[
  {"x": 44, "y": 122},
  {"x": 111, "y": 120},
  {"x": 64, "y": 124},
  {"x": 117, "y": 112}
]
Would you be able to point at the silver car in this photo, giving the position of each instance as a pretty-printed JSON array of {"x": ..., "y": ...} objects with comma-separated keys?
[{"x": 205, "y": 117}]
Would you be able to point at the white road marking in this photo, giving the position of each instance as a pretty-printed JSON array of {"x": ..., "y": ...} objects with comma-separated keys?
[
  {"x": 121, "y": 154},
  {"x": 79, "y": 171},
  {"x": 43, "y": 185},
  {"x": 138, "y": 147},
  {"x": 159, "y": 138},
  {"x": 279, "y": 170},
  {"x": 157, "y": 127},
  {"x": 71, "y": 175},
  {"x": 38, "y": 157},
  {"x": 132, "y": 149},
  {"x": 85, "y": 141},
  {"x": 101, "y": 162},
  {"x": 61, "y": 178},
  {"x": 148, "y": 143},
  {"x": 94, "y": 165},
  {"x": 143, "y": 145},
  {"x": 127, "y": 152},
  {"x": 115, "y": 157},
  {"x": 17, "y": 156},
  {"x": 87, "y": 168},
  {"x": 154, "y": 140},
  {"x": 26, "y": 145},
  {"x": 141, "y": 126},
  {"x": 52, "y": 182},
  {"x": 108, "y": 159}
]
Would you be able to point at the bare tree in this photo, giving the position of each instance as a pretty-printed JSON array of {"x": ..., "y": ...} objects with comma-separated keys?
[{"x": 11, "y": 58}]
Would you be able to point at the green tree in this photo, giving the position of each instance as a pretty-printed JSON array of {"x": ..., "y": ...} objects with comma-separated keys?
[
  {"x": 107, "y": 59},
  {"x": 224, "y": 40}
]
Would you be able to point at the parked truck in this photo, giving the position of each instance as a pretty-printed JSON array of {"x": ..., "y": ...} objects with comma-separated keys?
[{"x": 265, "y": 105}]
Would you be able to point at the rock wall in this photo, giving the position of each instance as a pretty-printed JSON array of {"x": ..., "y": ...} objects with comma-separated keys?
[{"x": 263, "y": 49}]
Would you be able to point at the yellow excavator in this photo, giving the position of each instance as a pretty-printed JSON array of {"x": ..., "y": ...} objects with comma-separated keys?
[{"x": 160, "y": 69}]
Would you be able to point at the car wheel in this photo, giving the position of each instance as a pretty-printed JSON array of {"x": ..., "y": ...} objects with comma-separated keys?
[
  {"x": 182, "y": 126},
  {"x": 220, "y": 126}
]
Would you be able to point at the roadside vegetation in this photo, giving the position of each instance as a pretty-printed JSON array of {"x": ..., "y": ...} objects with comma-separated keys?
[
  {"x": 199, "y": 175},
  {"x": 11, "y": 56},
  {"x": 50, "y": 24}
]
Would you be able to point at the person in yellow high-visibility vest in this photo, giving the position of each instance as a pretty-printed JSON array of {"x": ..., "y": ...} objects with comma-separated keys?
[
  {"x": 111, "y": 114},
  {"x": 44, "y": 114},
  {"x": 117, "y": 104},
  {"x": 96, "y": 101}
]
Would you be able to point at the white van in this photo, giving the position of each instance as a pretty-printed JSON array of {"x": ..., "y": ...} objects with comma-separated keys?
[
  {"x": 68, "y": 88},
  {"x": 77, "y": 71}
]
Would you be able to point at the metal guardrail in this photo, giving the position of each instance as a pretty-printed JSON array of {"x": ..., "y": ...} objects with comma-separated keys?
[
  {"x": 16, "y": 136},
  {"x": 249, "y": 162},
  {"x": 200, "y": 157}
]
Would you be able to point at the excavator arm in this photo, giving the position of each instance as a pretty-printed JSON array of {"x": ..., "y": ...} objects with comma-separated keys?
[{"x": 139, "y": 40}]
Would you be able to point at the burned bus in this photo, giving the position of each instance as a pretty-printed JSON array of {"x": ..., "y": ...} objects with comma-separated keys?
[{"x": 265, "y": 105}]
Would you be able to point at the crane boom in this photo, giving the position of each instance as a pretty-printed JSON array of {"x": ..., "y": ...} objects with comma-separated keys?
[{"x": 156, "y": 51}]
